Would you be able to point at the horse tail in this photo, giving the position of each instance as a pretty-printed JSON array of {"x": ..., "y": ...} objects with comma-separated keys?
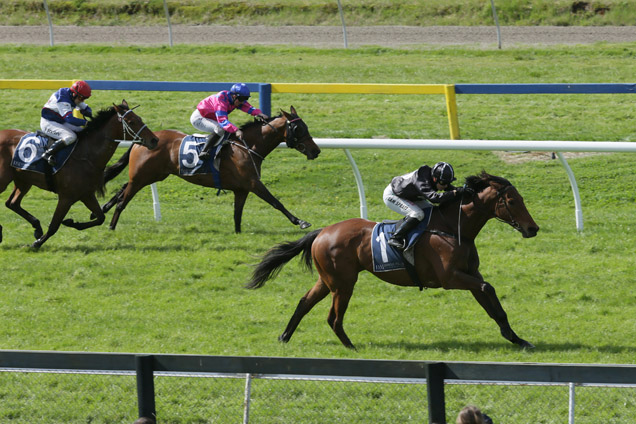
[
  {"x": 116, "y": 168},
  {"x": 279, "y": 255}
]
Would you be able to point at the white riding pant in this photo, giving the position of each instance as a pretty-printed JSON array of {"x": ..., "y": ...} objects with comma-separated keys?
[
  {"x": 67, "y": 133},
  {"x": 405, "y": 207},
  {"x": 205, "y": 124}
]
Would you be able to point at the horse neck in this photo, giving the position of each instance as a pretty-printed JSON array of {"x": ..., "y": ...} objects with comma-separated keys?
[
  {"x": 99, "y": 146},
  {"x": 473, "y": 217},
  {"x": 271, "y": 136}
]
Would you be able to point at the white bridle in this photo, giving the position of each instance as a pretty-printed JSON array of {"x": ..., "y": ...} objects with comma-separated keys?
[{"x": 127, "y": 129}]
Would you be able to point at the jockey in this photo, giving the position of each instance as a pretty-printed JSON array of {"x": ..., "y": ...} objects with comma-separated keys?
[
  {"x": 57, "y": 119},
  {"x": 411, "y": 194},
  {"x": 211, "y": 115}
]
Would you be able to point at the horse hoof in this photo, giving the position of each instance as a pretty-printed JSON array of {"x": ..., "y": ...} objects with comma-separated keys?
[
  {"x": 38, "y": 233},
  {"x": 304, "y": 224},
  {"x": 68, "y": 222},
  {"x": 526, "y": 345}
]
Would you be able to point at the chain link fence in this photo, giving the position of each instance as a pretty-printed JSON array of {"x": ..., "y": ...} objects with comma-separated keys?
[{"x": 110, "y": 397}]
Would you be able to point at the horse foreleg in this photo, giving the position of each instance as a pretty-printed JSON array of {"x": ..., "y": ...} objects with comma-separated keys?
[
  {"x": 62, "y": 208},
  {"x": 127, "y": 193},
  {"x": 93, "y": 205},
  {"x": 115, "y": 199},
  {"x": 486, "y": 295},
  {"x": 318, "y": 292},
  {"x": 239, "y": 202},
  {"x": 261, "y": 191},
  {"x": 14, "y": 203},
  {"x": 112, "y": 202},
  {"x": 490, "y": 302}
]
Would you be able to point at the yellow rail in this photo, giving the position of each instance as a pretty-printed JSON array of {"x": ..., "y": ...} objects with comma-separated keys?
[
  {"x": 448, "y": 90},
  {"x": 24, "y": 84}
]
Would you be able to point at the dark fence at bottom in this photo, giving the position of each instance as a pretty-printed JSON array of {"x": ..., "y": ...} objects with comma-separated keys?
[{"x": 436, "y": 375}]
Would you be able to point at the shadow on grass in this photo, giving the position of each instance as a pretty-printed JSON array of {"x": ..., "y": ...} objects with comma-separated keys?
[{"x": 454, "y": 346}]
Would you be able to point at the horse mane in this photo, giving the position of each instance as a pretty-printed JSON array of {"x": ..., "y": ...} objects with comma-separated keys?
[
  {"x": 254, "y": 123},
  {"x": 481, "y": 181},
  {"x": 100, "y": 119}
]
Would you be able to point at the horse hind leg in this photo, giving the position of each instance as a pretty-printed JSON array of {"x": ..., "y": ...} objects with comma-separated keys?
[
  {"x": 14, "y": 203},
  {"x": 339, "y": 305},
  {"x": 318, "y": 292}
]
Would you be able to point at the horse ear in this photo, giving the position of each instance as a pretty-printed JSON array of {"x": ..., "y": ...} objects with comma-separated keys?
[
  {"x": 285, "y": 114},
  {"x": 293, "y": 111},
  {"x": 124, "y": 103}
]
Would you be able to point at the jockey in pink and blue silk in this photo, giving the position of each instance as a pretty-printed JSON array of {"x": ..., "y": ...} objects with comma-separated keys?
[{"x": 212, "y": 115}]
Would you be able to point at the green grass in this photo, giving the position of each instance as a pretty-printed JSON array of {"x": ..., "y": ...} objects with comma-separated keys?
[
  {"x": 176, "y": 286},
  {"x": 317, "y": 12}
]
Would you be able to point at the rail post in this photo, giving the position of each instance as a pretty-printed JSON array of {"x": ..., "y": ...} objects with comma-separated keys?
[
  {"x": 265, "y": 98},
  {"x": 145, "y": 386},
  {"x": 435, "y": 393}
]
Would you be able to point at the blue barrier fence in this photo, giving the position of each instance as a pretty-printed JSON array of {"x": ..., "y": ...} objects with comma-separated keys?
[
  {"x": 264, "y": 90},
  {"x": 545, "y": 88}
]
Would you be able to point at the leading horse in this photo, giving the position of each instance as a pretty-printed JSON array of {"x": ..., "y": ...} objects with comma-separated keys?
[
  {"x": 445, "y": 255},
  {"x": 82, "y": 175},
  {"x": 240, "y": 164}
]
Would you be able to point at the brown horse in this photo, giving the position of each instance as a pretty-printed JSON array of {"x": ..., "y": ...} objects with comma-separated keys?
[
  {"x": 442, "y": 258},
  {"x": 240, "y": 165},
  {"x": 81, "y": 176}
]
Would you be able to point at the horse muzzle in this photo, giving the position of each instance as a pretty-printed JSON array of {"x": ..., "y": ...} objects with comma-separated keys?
[
  {"x": 311, "y": 153},
  {"x": 530, "y": 231}
]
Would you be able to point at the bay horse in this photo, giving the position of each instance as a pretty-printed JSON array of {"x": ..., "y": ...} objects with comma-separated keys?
[
  {"x": 240, "y": 165},
  {"x": 82, "y": 175},
  {"x": 445, "y": 255}
]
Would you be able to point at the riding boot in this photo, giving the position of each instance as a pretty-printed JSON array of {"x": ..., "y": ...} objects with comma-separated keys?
[
  {"x": 210, "y": 142},
  {"x": 398, "y": 240},
  {"x": 49, "y": 155}
]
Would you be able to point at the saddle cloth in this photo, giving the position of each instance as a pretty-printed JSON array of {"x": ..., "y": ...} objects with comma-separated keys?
[
  {"x": 189, "y": 162},
  {"x": 386, "y": 257},
  {"x": 28, "y": 154}
]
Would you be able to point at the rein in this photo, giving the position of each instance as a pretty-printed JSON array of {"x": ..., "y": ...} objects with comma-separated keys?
[{"x": 251, "y": 153}]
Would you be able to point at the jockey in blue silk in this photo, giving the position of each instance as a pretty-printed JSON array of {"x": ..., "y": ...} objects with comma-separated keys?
[
  {"x": 411, "y": 194},
  {"x": 211, "y": 115},
  {"x": 58, "y": 121}
]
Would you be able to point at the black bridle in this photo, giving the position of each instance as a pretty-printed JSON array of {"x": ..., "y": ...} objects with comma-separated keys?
[
  {"x": 295, "y": 131},
  {"x": 502, "y": 199}
]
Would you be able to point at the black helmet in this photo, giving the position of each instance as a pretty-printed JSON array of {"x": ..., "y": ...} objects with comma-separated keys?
[{"x": 443, "y": 173}]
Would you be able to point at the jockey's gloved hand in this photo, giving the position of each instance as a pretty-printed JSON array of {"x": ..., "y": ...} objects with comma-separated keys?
[
  {"x": 88, "y": 113},
  {"x": 468, "y": 190},
  {"x": 262, "y": 116},
  {"x": 239, "y": 134}
]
